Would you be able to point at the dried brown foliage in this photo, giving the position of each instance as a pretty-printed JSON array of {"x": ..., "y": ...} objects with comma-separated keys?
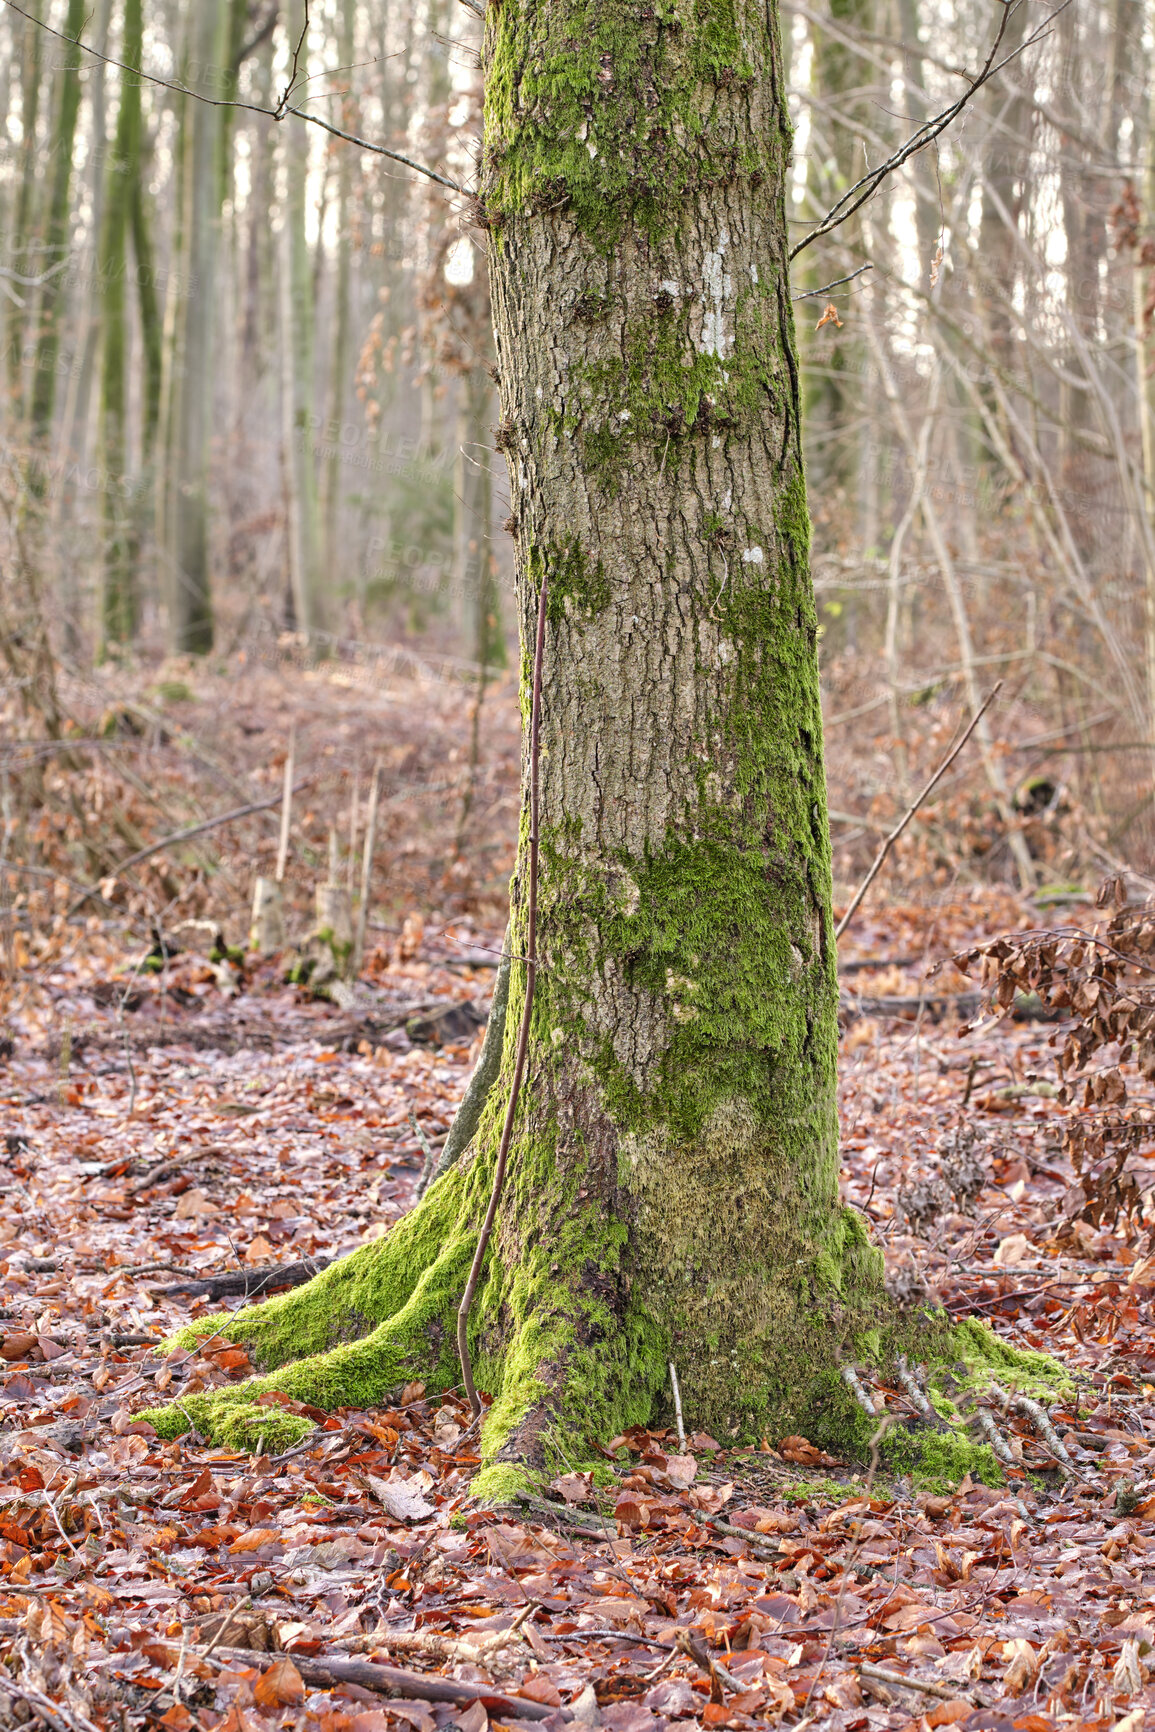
[{"x": 1101, "y": 982}]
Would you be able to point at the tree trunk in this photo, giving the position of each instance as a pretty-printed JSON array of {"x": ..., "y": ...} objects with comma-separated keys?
[
  {"x": 673, "y": 1178},
  {"x": 59, "y": 224},
  {"x": 297, "y": 395},
  {"x": 119, "y": 600},
  {"x": 78, "y": 401},
  {"x": 21, "y": 251},
  {"x": 190, "y": 596},
  {"x": 336, "y": 560}
]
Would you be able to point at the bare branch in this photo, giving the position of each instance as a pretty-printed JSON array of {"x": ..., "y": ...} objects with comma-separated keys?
[
  {"x": 283, "y": 105},
  {"x": 278, "y": 113},
  {"x": 811, "y": 294},
  {"x": 865, "y": 188},
  {"x": 911, "y": 810}
]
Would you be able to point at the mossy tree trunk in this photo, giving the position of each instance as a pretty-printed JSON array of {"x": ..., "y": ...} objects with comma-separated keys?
[
  {"x": 672, "y": 1192},
  {"x": 119, "y": 600},
  {"x": 57, "y": 237},
  {"x": 190, "y": 592}
]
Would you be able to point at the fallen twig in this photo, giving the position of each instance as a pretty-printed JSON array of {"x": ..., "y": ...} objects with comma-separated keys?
[
  {"x": 914, "y": 1390},
  {"x": 994, "y": 1437},
  {"x": 944, "y": 1692},
  {"x": 249, "y": 1282},
  {"x": 437, "y": 1643},
  {"x": 592, "y": 1526},
  {"x": 677, "y": 1407},
  {"x": 852, "y": 1381},
  {"x": 393, "y": 1681}
]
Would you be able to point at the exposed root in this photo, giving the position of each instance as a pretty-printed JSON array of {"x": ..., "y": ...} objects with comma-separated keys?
[
  {"x": 916, "y": 1393},
  {"x": 994, "y": 1436},
  {"x": 852, "y": 1381},
  {"x": 1041, "y": 1420}
]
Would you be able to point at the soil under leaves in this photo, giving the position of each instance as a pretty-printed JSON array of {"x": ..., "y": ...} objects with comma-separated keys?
[{"x": 231, "y": 1123}]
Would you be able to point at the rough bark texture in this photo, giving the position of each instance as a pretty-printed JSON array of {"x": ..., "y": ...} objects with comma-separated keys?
[
  {"x": 686, "y": 1027},
  {"x": 119, "y": 600},
  {"x": 56, "y": 240},
  {"x": 190, "y": 597},
  {"x": 672, "y": 1191}
]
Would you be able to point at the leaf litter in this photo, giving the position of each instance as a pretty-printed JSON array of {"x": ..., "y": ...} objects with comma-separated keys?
[{"x": 352, "y": 1586}]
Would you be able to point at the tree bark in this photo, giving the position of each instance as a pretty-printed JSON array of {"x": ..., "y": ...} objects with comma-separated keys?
[
  {"x": 190, "y": 595},
  {"x": 297, "y": 314},
  {"x": 119, "y": 601},
  {"x": 673, "y": 1179},
  {"x": 335, "y": 559},
  {"x": 59, "y": 225},
  {"x": 21, "y": 251}
]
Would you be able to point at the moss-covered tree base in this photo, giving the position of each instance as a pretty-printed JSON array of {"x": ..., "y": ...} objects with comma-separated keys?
[{"x": 566, "y": 1368}]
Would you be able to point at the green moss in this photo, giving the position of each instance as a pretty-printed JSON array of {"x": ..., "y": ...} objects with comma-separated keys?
[
  {"x": 578, "y": 588},
  {"x": 231, "y": 1423},
  {"x": 620, "y": 115},
  {"x": 980, "y": 1356},
  {"x": 938, "y": 1461},
  {"x": 387, "y": 1314},
  {"x": 501, "y": 1483},
  {"x": 655, "y": 387}
]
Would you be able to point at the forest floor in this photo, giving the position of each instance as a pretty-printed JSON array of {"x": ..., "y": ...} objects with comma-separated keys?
[
  {"x": 199, "y": 1132},
  {"x": 209, "y": 1121}
]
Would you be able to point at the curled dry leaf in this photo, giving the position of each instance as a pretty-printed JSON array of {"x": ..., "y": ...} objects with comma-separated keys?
[
  {"x": 280, "y": 1687},
  {"x": 1130, "y": 1673},
  {"x": 17, "y": 1346},
  {"x": 194, "y": 1205},
  {"x": 1022, "y": 1665},
  {"x": 949, "y": 1713},
  {"x": 1014, "y": 1249},
  {"x": 803, "y": 1453},
  {"x": 401, "y": 1499},
  {"x": 681, "y": 1470},
  {"x": 575, "y": 1488},
  {"x": 710, "y": 1498}
]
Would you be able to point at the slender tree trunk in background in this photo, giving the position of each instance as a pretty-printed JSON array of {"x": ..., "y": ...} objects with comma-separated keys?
[
  {"x": 190, "y": 597},
  {"x": 997, "y": 263},
  {"x": 342, "y": 347},
  {"x": 928, "y": 220},
  {"x": 436, "y": 86},
  {"x": 1141, "y": 286},
  {"x": 125, "y": 208},
  {"x": 152, "y": 344},
  {"x": 1085, "y": 204},
  {"x": 21, "y": 255},
  {"x": 673, "y": 1179},
  {"x": 74, "y": 430},
  {"x": 173, "y": 328},
  {"x": 58, "y": 229},
  {"x": 831, "y": 385},
  {"x": 310, "y": 604},
  {"x": 261, "y": 309}
]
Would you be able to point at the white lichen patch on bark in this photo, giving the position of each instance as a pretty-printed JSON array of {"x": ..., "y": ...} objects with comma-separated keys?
[{"x": 718, "y": 288}]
